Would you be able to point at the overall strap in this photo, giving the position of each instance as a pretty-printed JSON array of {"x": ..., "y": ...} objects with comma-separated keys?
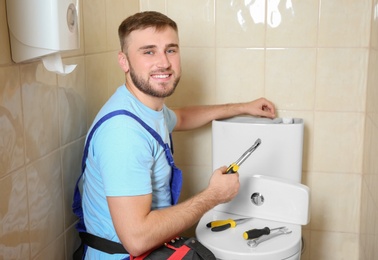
[
  {"x": 110, "y": 115},
  {"x": 76, "y": 205}
]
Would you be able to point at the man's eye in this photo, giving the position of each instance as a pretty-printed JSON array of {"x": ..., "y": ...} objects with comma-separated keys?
[
  {"x": 149, "y": 52},
  {"x": 171, "y": 51}
]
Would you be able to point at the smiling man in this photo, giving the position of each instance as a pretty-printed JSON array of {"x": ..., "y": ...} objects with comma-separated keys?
[
  {"x": 131, "y": 185},
  {"x": 153, "y": 67}
]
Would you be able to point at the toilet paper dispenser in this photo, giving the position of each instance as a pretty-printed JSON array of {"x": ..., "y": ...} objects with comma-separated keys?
[{"x": 38, "y": 27}]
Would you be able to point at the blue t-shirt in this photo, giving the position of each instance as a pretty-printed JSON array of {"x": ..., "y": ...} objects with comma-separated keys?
[{"x": 125, "y": 160}]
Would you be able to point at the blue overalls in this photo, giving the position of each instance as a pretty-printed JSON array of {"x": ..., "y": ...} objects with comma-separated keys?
[{"x": 176, "y": 176}]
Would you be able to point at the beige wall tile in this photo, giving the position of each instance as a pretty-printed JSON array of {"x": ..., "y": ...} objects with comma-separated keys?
[
  {"x": 193, "y": 147},
  {"x": 72, "y": 102},
  {"x": 374, "y": 29},
  {"x": 370, "y": 162},
  {"x": 14, "y": 221},
  {"x": 97, "y": 83},
  {"x": 76, "y": 79},
  {"x": 11, "y": 124},
  {"x": 94, "y": 19},
  {"x": 370, "y": 147},
  {"x": 372, "y": 89},
  {"x": 240, "y": 23},
  {"x": 195, "y": 20},
  {"x": 103, "y": 77},
  {"x": 344, "y": 23},
  {"x": 369, "y": 232},
  {"x": 369, "y": 224},
  {"x": 369, "y": 200},
  {"x": 333, "y": 246},
  {"x": 292, "y": 23},
  {"x": 372, "y": 181},
  {"x": 45, "y": 197},
  {"x": 331, "y": 210},
  {"x": 375, "y": 237},
  {"x": 364, "y": 227},
  {"x": 72, "y": 241},
  {"x": 306, "y": 236},
  {"x": 239, "y": 74},
  {"x": 197, "y": 85},
  {"x": 344, "y": 88},
  {"x": 115, "y": 75},
  {"x": 40, "y": 110},
  {"x": 338, "y": 141},
  {"x": 36, "y": 72},
  {"x": 308, "y": 137},
  {"x": 155, "y": 5},
  {"x": 290, "y": 78},
  {"x": 71, "y": 170},
  {"x": 55, "y": 250},
  {"x": 196, "y": 179},
  {"x": 116, "y": 12}
]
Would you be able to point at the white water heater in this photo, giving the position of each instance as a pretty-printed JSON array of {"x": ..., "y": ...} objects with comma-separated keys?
[{"x": 41, "y": 27}]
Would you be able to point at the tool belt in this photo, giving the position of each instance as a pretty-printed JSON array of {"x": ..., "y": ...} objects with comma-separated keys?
[{"x": 177, "y": 249}]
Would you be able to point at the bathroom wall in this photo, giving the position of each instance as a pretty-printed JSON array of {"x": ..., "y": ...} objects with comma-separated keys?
[
  {"x": 43, "y": 123},
  {"x": 314, "y": 59},
  {"x": 369, "y": 185}
]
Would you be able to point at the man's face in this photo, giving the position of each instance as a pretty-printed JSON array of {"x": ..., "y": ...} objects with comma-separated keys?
[{"x": 154, "y": 61}]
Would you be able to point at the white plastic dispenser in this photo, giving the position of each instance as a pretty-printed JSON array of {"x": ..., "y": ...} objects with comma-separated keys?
[
  {"x": 270, "y": 194},
  {"x": 38, "y": 28}
]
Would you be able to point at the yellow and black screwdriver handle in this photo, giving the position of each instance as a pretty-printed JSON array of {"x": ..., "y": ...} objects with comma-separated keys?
[
  {"x": 232, "y": 168},
  {"x": 255, "y": 233},
  {"x": 220, "y": 225}
]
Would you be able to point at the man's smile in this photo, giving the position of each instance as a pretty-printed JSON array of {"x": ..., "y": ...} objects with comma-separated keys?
[{"x": 160, "y": 76}]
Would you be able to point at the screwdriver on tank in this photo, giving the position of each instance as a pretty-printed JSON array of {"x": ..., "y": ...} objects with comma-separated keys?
[{"x": 255, "y": 233}]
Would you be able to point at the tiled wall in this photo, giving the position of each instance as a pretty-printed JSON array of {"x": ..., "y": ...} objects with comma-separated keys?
[
  {"x": 43, "y": 122},
  {"x": 315, "y": 59},
  {"x": 369, "y": 185}
]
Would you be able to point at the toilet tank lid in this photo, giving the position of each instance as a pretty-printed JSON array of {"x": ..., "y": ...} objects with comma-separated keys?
[{"x": 263, "y": 120}]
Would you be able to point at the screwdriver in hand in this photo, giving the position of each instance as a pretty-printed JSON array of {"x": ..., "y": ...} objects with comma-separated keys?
[
  {"x": 234, "y": 167},
  {"x": 255, "y": 233}
]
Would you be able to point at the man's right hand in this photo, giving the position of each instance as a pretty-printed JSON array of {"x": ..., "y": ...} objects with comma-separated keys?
[{"x": 224, "y": 187}]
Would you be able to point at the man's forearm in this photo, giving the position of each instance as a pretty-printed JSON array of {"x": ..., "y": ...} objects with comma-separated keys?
[
  {"x": 141, "y": 229},
  {"x": 159, "y": 226},
  {"x": 193, "y": 117}
]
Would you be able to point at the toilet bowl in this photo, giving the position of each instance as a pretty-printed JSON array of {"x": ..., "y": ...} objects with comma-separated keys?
[
  {"x": 270, "y": 190},
  {"x": 282, "y": 203},
  {"x": 230, "y": 244}
]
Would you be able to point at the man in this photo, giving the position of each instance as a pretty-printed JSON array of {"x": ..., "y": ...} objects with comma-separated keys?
[{"x": 126, "y": 189}]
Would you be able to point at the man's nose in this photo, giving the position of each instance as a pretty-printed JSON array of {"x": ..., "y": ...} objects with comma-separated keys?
[{"x": 163, "y": 61}]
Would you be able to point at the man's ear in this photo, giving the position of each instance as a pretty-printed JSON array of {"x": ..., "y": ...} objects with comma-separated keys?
[{"x": 123, "y": 62}]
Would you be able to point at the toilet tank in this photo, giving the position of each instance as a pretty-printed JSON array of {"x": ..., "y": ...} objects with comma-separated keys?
[{"x": 278, "y": 155}]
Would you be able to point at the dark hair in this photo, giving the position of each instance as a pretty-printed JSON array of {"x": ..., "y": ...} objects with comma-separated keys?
[{"x": 143, "y": 20}]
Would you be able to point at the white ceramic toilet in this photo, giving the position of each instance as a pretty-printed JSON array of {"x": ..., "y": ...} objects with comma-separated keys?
[{"x": 271, "y": 193}]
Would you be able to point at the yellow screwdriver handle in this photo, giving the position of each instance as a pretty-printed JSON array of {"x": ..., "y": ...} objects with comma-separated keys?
[
  {"x": 219, "y": 223},
  {"x": 232, "y": 168}
]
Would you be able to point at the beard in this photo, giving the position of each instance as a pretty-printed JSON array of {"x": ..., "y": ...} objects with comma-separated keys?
[{"x": 145, "y": 86}]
